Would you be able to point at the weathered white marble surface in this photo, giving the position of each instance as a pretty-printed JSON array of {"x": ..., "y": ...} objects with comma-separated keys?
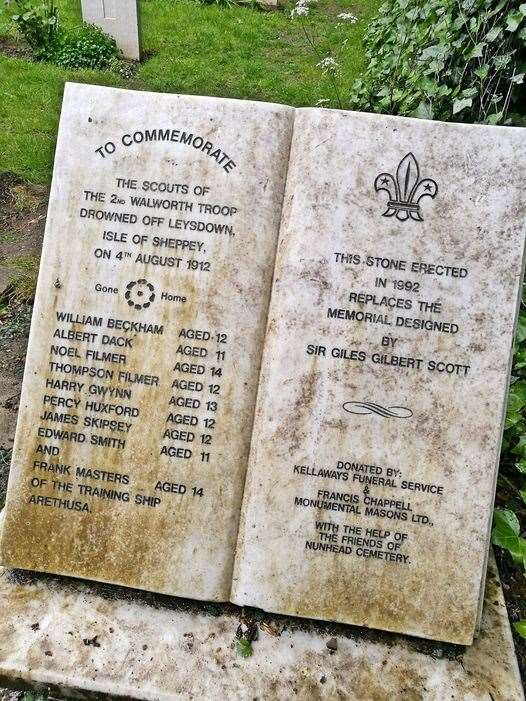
[
  {"x": 119, "y": 19},
  {"x": 168, "y": 308},
  {"x": 373, "y": 463},
  {"x": 153, "y": 650}
]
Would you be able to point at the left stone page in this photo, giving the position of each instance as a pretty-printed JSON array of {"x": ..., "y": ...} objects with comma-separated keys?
[{"x": 143, "y": 359}]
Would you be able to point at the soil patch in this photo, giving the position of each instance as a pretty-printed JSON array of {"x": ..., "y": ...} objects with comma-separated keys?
[
  {"x": 14, "y": 49},
  {"x": 23, "y": 209},
  {"x": 14, "y": 330},
  {"x": 22, "y": 220}
]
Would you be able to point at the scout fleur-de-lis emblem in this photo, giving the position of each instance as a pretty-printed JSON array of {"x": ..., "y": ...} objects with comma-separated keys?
[{"x": 406, "y": 190}]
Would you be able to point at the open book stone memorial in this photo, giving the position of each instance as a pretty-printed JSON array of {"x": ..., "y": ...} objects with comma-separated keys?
[{"x": 269, "y": 358}]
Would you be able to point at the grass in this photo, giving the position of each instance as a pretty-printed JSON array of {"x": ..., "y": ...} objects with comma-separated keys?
[
  {"x": 25, "y": 200},
  {"x": 239, "y": 52},
  {"x": 25, "y": 282},
  {"x": 8, "y": 236},
  {"x": 15, "y": 321}
]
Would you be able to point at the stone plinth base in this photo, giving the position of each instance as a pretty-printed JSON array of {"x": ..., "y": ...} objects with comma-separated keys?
[{"x": 84, "y": 639}]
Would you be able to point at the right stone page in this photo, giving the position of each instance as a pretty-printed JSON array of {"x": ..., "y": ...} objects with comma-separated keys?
[{"x": 383, "y": 386}]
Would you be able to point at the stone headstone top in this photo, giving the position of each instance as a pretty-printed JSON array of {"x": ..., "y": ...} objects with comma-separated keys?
[{"x": 119, "y": 19}]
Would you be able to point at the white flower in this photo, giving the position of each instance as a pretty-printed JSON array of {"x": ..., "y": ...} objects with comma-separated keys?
[
  {"x": 301, "y": 8},
  {"x": 328, "y": 65},
  {"x": 348, "y": 17},
  {"x": 300, "y": 11}
]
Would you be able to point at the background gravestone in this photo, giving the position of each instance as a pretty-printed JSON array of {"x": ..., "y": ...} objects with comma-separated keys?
[{"x": 119, "y": 19}]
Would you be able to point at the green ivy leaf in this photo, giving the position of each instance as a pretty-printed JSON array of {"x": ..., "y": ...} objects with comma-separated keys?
[
  {"x": 522, "y": 492},
  {"x": 482, "y": 71},
  {"x": 520, "y": 628},
  {"x": 423, "y": 111},
  {"x": 505, "y": 534},
  {"x": 477, "y": 50},
  {"x": 494, "y": 118},
  {"x": 244, "y": 647},
  {"x": 521, "y": 328},
  {"x": 506, "y": 524},
  {"x": 497, "y": 8},
  {"x": 493, "y": 33},
  {"x": 520, "y": 448},
  {"x": 513, "y": 418},
  {"x": 513, "y": 20},
  {"x": 521, "y": 466},
  {"x": 436, "y": 51},
  {"x": 469, "y": 92},
  {"x": 517, "y": 395},
  {"x": 459, "y": 105}
]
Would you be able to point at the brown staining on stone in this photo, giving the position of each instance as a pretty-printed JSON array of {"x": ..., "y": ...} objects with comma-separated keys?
[
  {"x": 231, "y": 298},
  {"x": 317, "y": 273},
  {"x": 188, "y": 641},
  {"x": 450, "y": 423},
  {"x": 369, "y": 664},
  {"x": 293, "y": 433}
]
